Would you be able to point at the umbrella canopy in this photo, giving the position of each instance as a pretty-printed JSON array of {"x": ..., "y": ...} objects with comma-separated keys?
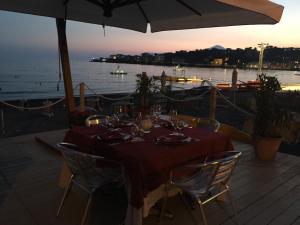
[{"x": 162, "y": 15}]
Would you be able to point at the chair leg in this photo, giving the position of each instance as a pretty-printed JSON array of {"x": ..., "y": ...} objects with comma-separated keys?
[
  {"x": 163, "y": 207},
  {"x": 203, "y": 213},
  {"x": 86, "y": 209},
  {"x": 186, "y": 204},
  {"x": 66, "y": 192},
  {"x": 187, "y": 207},
  {"x": 233, "y": 207}
]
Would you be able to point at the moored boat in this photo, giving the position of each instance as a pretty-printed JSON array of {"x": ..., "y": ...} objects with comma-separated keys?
[
  {"x": 179, "y": 78},
  {"x": 118, "y": 71},
  {"x": 249, "y": 85},
  {"x": 297, "y": 73}
]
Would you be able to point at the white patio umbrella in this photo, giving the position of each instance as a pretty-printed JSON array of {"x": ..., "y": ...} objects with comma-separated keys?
[{"x": 162, "y": 15}]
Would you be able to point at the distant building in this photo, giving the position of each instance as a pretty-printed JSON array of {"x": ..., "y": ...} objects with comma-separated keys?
[
  {"x": 178, "y": 61},
  {"x": 252, "y": 65},
  {"x": 147, "y": 58},
  {"x": 159, "y": 58},
  {"x": 137, "y": 58},
  {"x": 217, "y": 62},
  {"x": 113, "y": 57}
]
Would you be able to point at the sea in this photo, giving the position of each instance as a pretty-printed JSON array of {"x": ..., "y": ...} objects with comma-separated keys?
[{"x": 23, "y": 80}]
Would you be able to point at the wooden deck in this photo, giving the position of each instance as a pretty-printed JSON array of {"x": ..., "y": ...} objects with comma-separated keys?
[{"x": 264, "y": 192}]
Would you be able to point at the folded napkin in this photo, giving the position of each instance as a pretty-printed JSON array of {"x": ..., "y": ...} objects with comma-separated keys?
[
  {"x": 173, "y": 138},
  {"x": 113, "y": 137},
  {"x": 166, "y": 124}
]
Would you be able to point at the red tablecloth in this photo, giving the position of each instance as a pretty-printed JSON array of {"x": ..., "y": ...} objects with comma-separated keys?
[{"x": 148, "y": 164}]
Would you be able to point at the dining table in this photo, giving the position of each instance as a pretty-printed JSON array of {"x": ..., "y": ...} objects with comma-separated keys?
[{"x": 148, "y": 157}]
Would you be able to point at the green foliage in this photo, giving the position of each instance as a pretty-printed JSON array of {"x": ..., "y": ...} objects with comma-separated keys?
[
  {"x": 271, "y": 117},
  {"x": 145, "y": 89}
]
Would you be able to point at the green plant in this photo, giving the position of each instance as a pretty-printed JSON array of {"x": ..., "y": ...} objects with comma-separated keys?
[
  {"x": 145, "y": 89},
  {"x": 271, "y": 117}
]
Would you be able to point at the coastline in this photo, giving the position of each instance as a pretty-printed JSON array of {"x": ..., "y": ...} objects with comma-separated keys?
[{"x": 198, "y": 66}]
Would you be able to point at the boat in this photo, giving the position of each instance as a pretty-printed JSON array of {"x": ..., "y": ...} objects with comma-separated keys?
[
  {"x": 118, "y": 71},
  {"x": 179, "y": 69},
  {"x": 241, "y": 86},
  {"x": 297, "y": 73},
  {"x": 179, "y": 78}
]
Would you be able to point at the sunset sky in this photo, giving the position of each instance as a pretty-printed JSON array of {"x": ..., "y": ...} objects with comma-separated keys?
[{"x": 26, "y": 35}]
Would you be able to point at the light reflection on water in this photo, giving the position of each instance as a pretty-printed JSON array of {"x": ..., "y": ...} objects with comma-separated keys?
[{"x": 39, "y": 79}]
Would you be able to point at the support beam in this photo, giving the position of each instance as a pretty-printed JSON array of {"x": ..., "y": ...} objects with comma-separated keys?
[{"x": 65, "y": 62}]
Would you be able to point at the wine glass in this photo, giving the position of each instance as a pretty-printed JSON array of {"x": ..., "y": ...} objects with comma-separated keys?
[
  {"x": 156, "y": 112},
  {"x": 179, "y": 125},
  {"x": 107, "y": 121},
  {"x": 115, "y": 120},
  {"x": 173, "y": 116},
  {"x": 139, "y": 119}
]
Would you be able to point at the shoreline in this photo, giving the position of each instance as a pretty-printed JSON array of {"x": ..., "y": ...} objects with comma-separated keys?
[{"x": 199, "y": 66}]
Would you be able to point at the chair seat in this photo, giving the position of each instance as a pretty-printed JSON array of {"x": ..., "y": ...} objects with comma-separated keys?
[
  {"x": 196, "y": 184},
  {"x": 205, "y": 181},
  {"x": 94, "y": 182}
]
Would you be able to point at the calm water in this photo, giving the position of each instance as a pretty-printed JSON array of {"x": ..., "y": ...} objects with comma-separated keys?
[{"x": 28, "y": 80}]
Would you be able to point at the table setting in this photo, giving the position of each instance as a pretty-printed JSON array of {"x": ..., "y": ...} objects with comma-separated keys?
[
  {"x": 148, "y": 147},
  {"x": 117, "y": 131}
]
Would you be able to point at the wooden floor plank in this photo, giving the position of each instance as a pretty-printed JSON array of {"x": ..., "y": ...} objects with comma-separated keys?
[
  {"x": 290, "y": 216},
  {"x": 297, "y": 221},
  {"x": 270, "y": 214},
  {"x": 246, "y": 215},
  {"x": 265, "y": 192}
]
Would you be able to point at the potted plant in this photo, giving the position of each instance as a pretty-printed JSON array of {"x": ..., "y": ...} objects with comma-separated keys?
[
  {"x": 270, "y": 119},
  {"x": 145, "y": 90}
]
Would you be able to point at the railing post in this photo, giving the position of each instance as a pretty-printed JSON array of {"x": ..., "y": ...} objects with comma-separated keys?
[{"x": 213, "y": 103}]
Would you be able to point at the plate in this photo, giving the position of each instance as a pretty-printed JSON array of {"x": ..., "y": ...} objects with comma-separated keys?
[{"x": 173, "y": 139}]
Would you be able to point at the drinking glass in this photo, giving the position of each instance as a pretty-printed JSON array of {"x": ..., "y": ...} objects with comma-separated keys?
[
  {"x": 173, "y": 115},
  {"x": 139, "y": 119},
  {"x": 156, "y": 112},
  {"x": 115, "y": 120},
  {"x": 180, "y": 125},
  {"x": 107, "y": 121}
]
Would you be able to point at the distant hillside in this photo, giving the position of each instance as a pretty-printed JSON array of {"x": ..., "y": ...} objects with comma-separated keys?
[
  {"x": 219, "y": 47},
  {"x": 217, "y": 56}
]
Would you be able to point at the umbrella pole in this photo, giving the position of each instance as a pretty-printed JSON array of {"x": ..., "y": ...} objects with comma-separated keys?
[{"x": 65, "y": 62}]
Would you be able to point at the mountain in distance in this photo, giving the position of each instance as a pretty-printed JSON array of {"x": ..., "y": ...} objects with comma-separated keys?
[{"x": 219, "y": 47}]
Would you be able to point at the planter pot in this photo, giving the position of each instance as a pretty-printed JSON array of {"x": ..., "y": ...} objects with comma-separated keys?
[{"x": 266, "y": 147}]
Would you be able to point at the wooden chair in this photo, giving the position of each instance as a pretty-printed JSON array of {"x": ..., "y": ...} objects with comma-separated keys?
[
  {"x": 211, "y": 124},
  {"x": 190, "y": 120},
  {"x": 204, "y": 122},
  {"x": 235, "y": 133}
]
